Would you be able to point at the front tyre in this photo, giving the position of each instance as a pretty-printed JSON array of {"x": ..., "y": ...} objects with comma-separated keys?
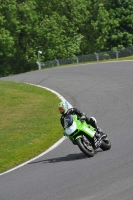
[{"x": 87, "y": 149}]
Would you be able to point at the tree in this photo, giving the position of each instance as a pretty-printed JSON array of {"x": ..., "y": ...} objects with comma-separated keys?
[
  {"x": 19, "y": 23},
  {"x": 121, "y": 23},
  {"x": 6, "y": 42},
  {"x": 96, "y": 27},
  {"x": 59, "y": 27}
]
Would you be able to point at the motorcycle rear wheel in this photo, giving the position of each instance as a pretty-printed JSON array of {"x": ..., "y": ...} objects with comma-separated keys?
[
  {"x": 86, "y": 149},
  {"x": 106, "y": 144}
]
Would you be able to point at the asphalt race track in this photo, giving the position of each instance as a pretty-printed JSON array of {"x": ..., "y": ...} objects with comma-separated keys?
[{"x": 105, "y": 91}]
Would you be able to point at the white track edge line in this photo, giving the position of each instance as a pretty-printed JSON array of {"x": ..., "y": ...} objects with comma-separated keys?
[{"x": 50, "y": 148}]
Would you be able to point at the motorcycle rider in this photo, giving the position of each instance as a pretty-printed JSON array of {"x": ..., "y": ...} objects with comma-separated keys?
[{"x": 64, "y": 110}]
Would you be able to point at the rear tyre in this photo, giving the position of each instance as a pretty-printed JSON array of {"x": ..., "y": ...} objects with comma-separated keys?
[
  {"x": 85, "y": 148},
  {"x": 106, "y": 144}
]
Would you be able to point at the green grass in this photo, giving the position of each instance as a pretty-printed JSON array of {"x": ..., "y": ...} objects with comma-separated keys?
[
  {"x": 29, "y": 122},
  {"x": 117, "y": 59},
  {"x": 126, "y": 58}
]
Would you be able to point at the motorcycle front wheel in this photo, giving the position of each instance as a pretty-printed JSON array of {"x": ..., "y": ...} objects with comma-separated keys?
[{"x": 87, "y": 149}]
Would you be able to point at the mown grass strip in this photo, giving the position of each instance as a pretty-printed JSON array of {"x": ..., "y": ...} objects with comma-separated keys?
[{"x": 29, "y": 122}]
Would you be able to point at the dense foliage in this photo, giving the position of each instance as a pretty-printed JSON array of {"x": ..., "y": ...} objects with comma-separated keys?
[{"x": 60, "y": 29}]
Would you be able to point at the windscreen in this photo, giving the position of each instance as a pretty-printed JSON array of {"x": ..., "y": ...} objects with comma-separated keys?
[{"x": 68, "y": 121}]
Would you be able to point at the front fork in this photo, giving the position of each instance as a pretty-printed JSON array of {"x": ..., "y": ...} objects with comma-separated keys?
[{"x": 85, "y": 139}]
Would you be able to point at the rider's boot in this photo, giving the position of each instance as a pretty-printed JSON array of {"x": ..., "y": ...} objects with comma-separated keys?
[
  {"x": 100, "y": 133},
  {"x": 93, "y": 123}
]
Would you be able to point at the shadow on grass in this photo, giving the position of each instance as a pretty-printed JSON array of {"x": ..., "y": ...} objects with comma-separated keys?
[{"x": 69, "y": 157}]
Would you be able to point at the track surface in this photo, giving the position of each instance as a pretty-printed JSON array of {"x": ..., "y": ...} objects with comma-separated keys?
[{"x": 104, "y": 91}]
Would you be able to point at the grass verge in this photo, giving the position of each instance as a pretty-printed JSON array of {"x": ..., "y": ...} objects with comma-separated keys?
[
  {"x": 117, "y": 59},
  {"x": 126, "y": 58},
  {"x": 29, "y": 122}
]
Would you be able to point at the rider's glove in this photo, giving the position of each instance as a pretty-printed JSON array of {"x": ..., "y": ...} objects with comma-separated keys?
[{"x": 82, "y": 118}]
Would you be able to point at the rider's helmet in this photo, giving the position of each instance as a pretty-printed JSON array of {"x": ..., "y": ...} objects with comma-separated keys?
[{"x": 62, "y": 107}]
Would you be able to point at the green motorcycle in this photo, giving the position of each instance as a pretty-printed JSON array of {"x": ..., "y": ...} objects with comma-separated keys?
[{"x": 84, "y": 135}]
